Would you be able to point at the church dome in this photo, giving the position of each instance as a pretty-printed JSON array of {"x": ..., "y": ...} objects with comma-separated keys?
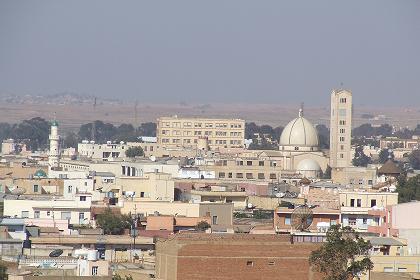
[
  {"x": 309, "y": 168},
  {"x": 299, "y": 134},
  {"x": 308, "y": 165}
]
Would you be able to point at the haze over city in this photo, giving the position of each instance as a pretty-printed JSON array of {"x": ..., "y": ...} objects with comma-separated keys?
[{"x": 237, "y": 51}]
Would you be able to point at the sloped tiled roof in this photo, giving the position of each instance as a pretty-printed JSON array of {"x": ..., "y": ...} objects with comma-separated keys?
[{"x": 389, "y": 168}]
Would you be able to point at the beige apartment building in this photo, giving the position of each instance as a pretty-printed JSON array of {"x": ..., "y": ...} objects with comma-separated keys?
[
  {"x": 243, "y": 168},
  {"x": 201, "y": 133}
]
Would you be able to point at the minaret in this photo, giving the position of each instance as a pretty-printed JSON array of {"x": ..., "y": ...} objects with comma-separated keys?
[{"x": 54, "y": 155}]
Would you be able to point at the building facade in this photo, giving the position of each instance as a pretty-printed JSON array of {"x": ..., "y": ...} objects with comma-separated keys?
[{"x": 187, "y": 132}]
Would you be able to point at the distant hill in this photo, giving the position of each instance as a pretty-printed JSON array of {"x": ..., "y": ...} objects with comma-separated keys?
[{"x": 57, "y": 99}]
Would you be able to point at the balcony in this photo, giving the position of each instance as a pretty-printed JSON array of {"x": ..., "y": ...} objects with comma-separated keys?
[{"x": 355, "y": 210}]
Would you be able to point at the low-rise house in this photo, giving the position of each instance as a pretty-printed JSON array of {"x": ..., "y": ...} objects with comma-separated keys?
[
  {"x": 174, "y": 223},
  {"x": 321, "y": 219},
  {"x": 115, "y": 248},
  {"x": 221, "y": 213},
  {"x": 399, "y": 221},
  {"x": 76, "y": 210},
  {"x": 239, "y": 199},
  {"x": 355, "y": 207}
]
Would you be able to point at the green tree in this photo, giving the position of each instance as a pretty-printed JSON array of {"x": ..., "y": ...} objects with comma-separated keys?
[
  {"x": 133, "y": 152},
  {"x": 125, "y": 132},
  {"x": 103, "y": 131},
  {"x": 414, "y": 159},
  {"x": 70, "y": 140},
  {"x": 324, "y": 136},
  {"x": 147, "y": 129},
  {"x": 3, "y": 272},
  {"x": 33, "y": 132},
  {"x": 327, "y": 173},
  {"x": 112, "y": 223},
  {"x": 345, "y": 255},
  {"x": 384, "y": 155},
  {"x": 408, "y": 189},
  {"x": 360, "y": 159},
  {"x": 202, "y": 226}
]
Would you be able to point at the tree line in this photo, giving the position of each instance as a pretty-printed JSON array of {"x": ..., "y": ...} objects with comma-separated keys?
[{"x": 35, "y": 132}]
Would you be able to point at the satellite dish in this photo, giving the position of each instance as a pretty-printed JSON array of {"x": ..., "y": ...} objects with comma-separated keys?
[
  {"x": 302, "y": 218},
  {"x": 18, "y": 191},
  {"x": 56, "y": 253}
]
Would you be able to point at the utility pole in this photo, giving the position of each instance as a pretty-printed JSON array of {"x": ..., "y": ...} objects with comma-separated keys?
[
  {"x": 135, "y": 228},
  {"x": 93, "y": 132}
]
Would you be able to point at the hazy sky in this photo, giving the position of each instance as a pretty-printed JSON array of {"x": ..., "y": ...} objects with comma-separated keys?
[{"x": 213, "y": 51}]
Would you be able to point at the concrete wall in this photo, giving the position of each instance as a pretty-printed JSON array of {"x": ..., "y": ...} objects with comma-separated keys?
[
  {"x": 402, "y": 217},
  {"x": 164, "y": 208}
]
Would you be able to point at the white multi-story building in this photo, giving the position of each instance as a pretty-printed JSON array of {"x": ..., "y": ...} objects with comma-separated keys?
[
  {"x": 340, "y": 129},
  {"x": 105, "y": 152},
  {"x": 76, "y": 209}
]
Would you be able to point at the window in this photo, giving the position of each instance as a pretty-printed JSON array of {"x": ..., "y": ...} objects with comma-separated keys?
[
  {"x": 341, "y": 155},
  {"x": 261, "y": 176},
  {"x": 343, "y": 100},
  {"x": 141, "y": 194},
  {"x": 36, "y": 188},
  {"x": 261, "y": 163},
  {"x": 82, "y": 198},
  {"x": 249, "y": 163},
  {"x": 94, "y": 270},
  {"x": 221, "y": 174},
  {"x": 287, "y": 220},
  {"x": 239, "y": 175},
  {"x": 342, "y": 138},
  {"x": 342, "y": 122},
  {"x": 342, "y": 130},
  {"x": 370, "y": 182},
  {"x": 359, "y": 202},
  {"x": 65, "y": 215},
  {"x": 230, "y": 175},
  {"x": 25, "y": 214},
  {"x": 48, "y": 213},
  {"x": 372, "y": 202},
  {"x": 273, "y": 164},
  {"x": 352, "y": 221},
  {"x": 271, "y": 263},
  {"x": 273, "y": 176},
  {"x": 296, "y": 148},
  {"x": 37, "y": 214},
  {"x": 214, "y": 220},
  {"x": 70, "y": 188},
  {"x": 81, "y": 216},
  {"x": 250, "y": 263},
  {"x": 365, "y": 221},
  {"x": 352, "y": 202},
  {"x": 240, "y": 162},
  {"x": 249, "y": 176},
  {"x": 85, "y": 184}
]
